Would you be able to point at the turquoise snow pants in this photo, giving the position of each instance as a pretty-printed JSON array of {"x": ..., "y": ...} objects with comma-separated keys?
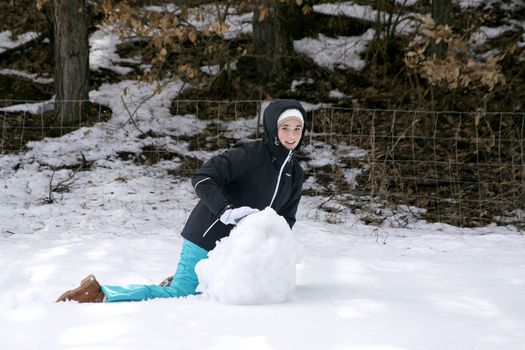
[{"x": 184, "y": 282}]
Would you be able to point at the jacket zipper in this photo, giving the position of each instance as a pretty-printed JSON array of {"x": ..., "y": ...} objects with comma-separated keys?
[
  {"x": 274, "y": 193},
  {"x": 279, "y": 177}
]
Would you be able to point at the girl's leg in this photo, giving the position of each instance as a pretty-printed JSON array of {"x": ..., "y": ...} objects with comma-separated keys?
[{"x": 184, "y": 282}]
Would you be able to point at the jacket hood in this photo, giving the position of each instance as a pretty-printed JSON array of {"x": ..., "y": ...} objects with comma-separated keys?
[{"x": 270, "y": 116}]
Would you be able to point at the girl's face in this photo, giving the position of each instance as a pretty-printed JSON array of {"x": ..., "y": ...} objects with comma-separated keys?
[{"x": 289, "y": 133}]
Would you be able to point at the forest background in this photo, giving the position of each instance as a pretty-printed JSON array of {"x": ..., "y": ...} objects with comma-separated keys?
[{"x": 436, "y": 100}]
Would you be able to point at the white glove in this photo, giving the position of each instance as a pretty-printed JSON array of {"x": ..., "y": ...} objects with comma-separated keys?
[{"x": 233, "y": 216}]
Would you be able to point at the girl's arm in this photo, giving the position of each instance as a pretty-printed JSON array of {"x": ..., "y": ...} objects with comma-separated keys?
[
  {"x": 290, "y": 209},
  {"x": 215, "y": 173}
]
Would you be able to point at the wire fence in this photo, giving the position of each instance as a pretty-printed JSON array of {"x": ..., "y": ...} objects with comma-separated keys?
[{"x": 465, "y": 169}]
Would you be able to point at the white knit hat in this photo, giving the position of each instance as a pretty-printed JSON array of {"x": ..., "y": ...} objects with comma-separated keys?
[{"x": 291, "y": 113}]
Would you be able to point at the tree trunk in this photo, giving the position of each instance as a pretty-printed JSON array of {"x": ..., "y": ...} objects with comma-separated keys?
[
  {"x": 272, "y": 43},
  {"x": 441, "y": 11},
  {"x": 71, "y": 51},
  {"x": 441, "y": 15}
]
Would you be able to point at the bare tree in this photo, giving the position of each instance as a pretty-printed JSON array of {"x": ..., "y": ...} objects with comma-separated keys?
[{"x": 71, "y": 51}]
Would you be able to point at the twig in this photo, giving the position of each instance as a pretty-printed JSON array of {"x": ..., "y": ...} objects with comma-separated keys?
[
  {"x": 142, "y": 102},
  {"x": 63, "y": 185},
  {"x": 131, "y": 115},
  {"x": 320, "y": 206}
]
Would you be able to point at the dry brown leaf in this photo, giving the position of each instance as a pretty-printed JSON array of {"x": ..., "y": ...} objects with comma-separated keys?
[
  {"x": 188, "y": 70},
  {"x": 165, "y": 23},
  {"x": 307, "y": 9},
  {"x": 107, "y": 6},
  {"x": 192, "y": 35},
  {"x": 263, "y": 14},
  {"x": 179, "y": 34},
  {"x": 41, "y": 3}
]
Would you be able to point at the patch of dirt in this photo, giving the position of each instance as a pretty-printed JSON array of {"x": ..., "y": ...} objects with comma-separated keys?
[
  {"x": 153, "y": 154},
  {"x": 17, "y": 128},
  {"x": 16, "y": 88},
  {"x": 213, "y": 109},
  {"x": 463, "y": 168},
  {"x": 20, "y": 16}
]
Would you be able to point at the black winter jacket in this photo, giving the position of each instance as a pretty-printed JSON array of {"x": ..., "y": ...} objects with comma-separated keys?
[{"x": 257, "y": 174}]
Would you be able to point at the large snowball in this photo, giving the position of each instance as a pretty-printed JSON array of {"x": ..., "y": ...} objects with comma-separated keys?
[{"x": 254, "y": 265}]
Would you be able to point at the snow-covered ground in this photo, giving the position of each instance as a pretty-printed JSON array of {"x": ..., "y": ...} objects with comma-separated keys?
[
  {"x": 426, "y": 286},
  {"x": 357, "y": 286}
]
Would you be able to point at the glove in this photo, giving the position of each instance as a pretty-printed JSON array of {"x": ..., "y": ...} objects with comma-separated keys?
[{"x": 235, "y": 215}]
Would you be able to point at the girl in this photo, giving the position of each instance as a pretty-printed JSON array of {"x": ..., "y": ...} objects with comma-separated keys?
[{"x": 249, "y": 177}]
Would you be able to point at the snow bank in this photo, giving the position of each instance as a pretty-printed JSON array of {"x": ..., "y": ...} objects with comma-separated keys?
[
  {"x": 341, "y": 52},
  {"x": 254, "y": 265},
  {"x": 8, "y": 42}
]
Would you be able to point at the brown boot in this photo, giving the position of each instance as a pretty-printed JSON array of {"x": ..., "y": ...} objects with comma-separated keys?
[
  {"x": 166, "y": 282},
  {"x": 88, "y": 292}
]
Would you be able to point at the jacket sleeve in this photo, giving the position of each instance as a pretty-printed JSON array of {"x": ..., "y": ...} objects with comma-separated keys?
[
  {"x": 290, "y": 209},
  {"x": 215, "y": 173}
]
